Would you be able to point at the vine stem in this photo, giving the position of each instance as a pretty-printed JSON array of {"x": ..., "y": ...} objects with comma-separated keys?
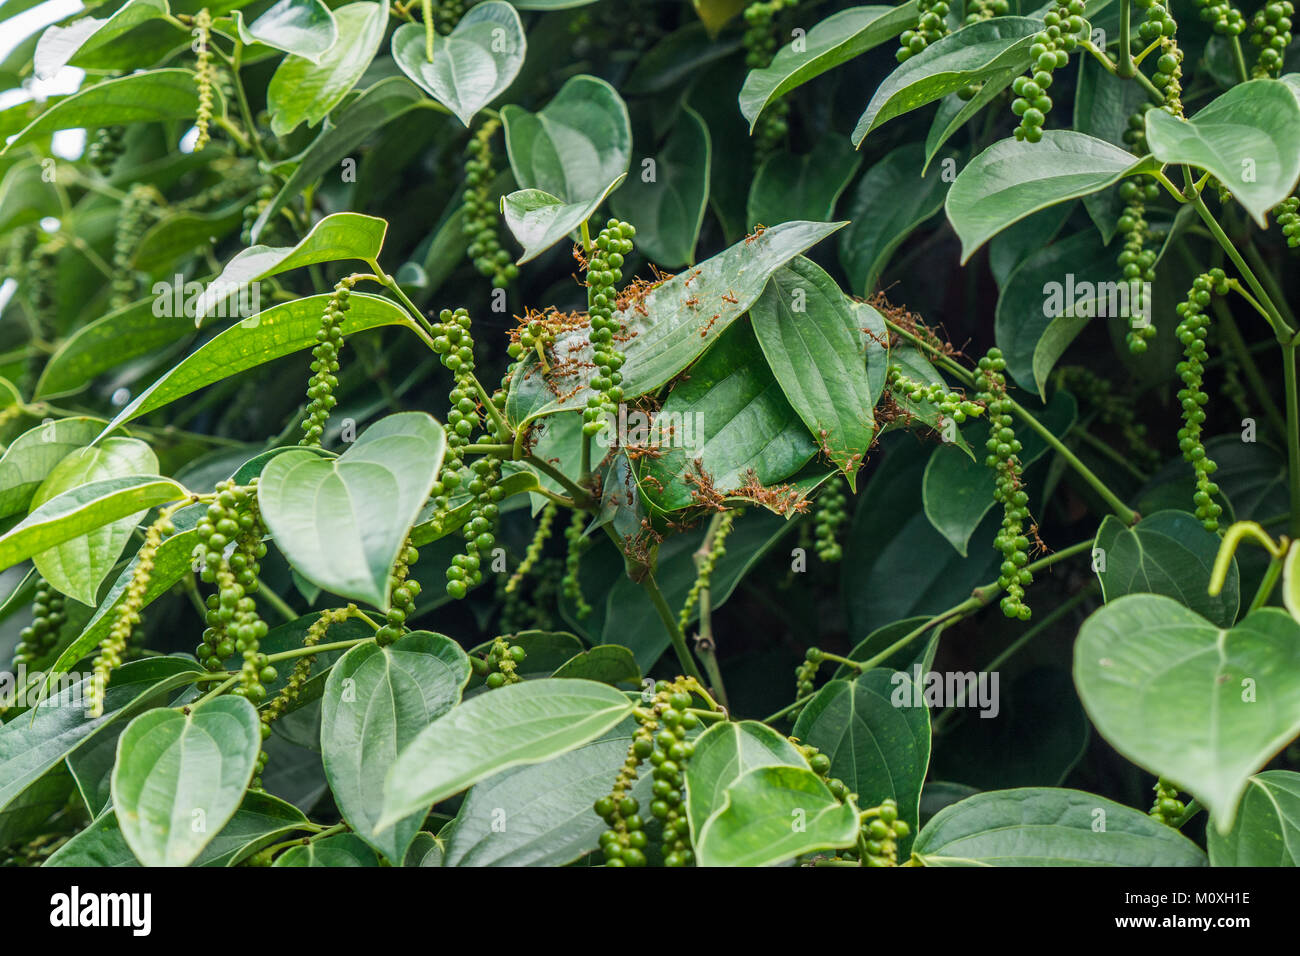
[
  {"x": 980, "y": 598},
  {"x": 277, "y": 602},
  {"x": 1122, "y": 511},
  {"x": 1239, "y": 60},
  {"x": 675, "y": 634},
  {"x": 316, "y": 649},
  {"x": 705, "y": 646},
  {"x": 1125, "y": 67},
  {"x": 426, "y": 7},
  {"x": 1266, "y": 584}
]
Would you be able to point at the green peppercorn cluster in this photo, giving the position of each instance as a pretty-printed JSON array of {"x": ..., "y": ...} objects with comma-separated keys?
[
  {"x": 479, "y": 212},
  {"x": 500, "y": 665},
  {"x": 705, "y": 563},
  {"x": 447, "y": 14},
  {"x": 977, "y": 10},
  {"x": 106, "y": 148},
  {"x": 572, "y": 582},
  {"x": 760, "y": 46},
  {"x": 204, "y": 74},
  {"x": 534, "y": 552},
  {"x": 1003, "y": 450},
  {"x": 142, "y": 203},
  {"x": 1064, "y": 27},
  {"x": 946, "y": 402},
  {"x": 480, "y": 530},
  {"x": 403, "y": 590},
  {"x": 831, "y": 511},
  {"x": 1288, "y": 217},
  {"x": 325, "y": 363},
  {"x": 531, "y": 605},
  {"x": 1167, "y": 808},
  {"x": 881, "y": 831},
  {"x": 533, "y": 336},
  {"x": 604, "y": 273},
  {"x": 127, "y": 616},
  {"x": 661, "y": 738},
  {"x": 48, "y": 615},
  {"x": 1223, "y": 17},
  {"x": 931, "y": 26},
  {"x": 821, "y": 765},
  {"x": 1270, "y": 30},
  {"x": 1137, "y": 262},
  {"x": 805, "y": 675},
  {"x": 1156, "y": 21},
  {"x": 265, "y": 193},
  {"x": 1193, "y": 328},
  {"x": 1168, "y": 77},
  {"x": 232, "y": 524}
]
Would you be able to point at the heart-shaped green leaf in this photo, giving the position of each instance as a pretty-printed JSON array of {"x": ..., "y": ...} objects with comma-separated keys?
[
  {"x": 342, "y": 849},
  {"x": 1165, "y": 553},
  {"x": 522, "y": 723},
  {"x": 578, "y": 144},
  {"x": 539, "y": 220},
  {"x": 78, "y": 567},
  {"x": 1202, "y": 706},
  {"x": 1011, "y": 180},
  {"x": 342, "y": 236},
  {"x": 1248, "y": 138},
  {"x": 973, "y": 53},
  {"x": 179, "y": 777},
  {"x": 772, "y": 814},
  {"x": 668, "y": 196},
  {"x": 1039, "y": 826},
  {"x": 377, "y": 700},
  {"x": 607, "y": 663},
  {"x": 723, "y": 754},
  {"x": 813, "y": 343},
  {"x": 32, "y": 456},
  {"x": 876, "y": 731},
  {"x": 839, "y": 38},
  {"x": 341, "y": 522},
  {"x": 471, "y": 66},
  {"x": 305, "y": 91},
  {"x": 81, "y": 510},
  {"x": 279, "y": 331},
  {"x": 1267, "y": 831},
  {"x": 728, "y": 424},
  {"x": 25, "y": 196}
]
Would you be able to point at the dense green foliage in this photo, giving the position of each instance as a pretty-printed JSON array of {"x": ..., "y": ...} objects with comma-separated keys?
[{"x": 904, "y": 380}]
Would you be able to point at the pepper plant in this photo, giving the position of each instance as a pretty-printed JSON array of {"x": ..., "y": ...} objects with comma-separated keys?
[{"x": 710, "y": 433}]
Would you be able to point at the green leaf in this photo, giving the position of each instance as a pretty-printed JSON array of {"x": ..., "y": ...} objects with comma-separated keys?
[
  {"x": 149, "y": 97},
  {"x": 1248, "y": 138},
  {"x": 342, "y": 236},
  {"x": 342, "y": 849},
  {"x": 539, "y": 220},
  {"x": 60, "y": 45},
  {"x": 373, "y": 109},
  {"x": 606, "y": 663},
  {"x": 377, "y": 699},
  {"x": 32, "y": 456},
  {"x": 578, "y": 144},
  {"x": 342, "y": 522},
  {"x": 305, "y": 28},
  {"x": 876, "y": 731},
  {"x": 1291, "y": 582},
  {"x": 180, "y": 777},
  {"x": 839, "y": 38},
  {"x": 957, "y": 492},
  {"x": 55, "y": 728},
  {"x": 523, "y": 723},
  {"x": 83, "y": 509},
  {"x": 260, "y": 820},
  {"x": 668, "y": 208},
  {"x": 789, "y": 187},
  {"x": 473, "y": 65},
  {"x": 303, "y": 91},
  {"x": 1197, "y": 704},
  {"x": 78, "y": 567},
  {"x": 541, "y": 815},
  {"x": 1267, "y": 831},
  {"x": 814, "y": 346},
  {"x": 954, "y": 112},
  {"x": 26, "y": 197},
  {"x": 669, "y": 331},
  {"x": 723, "y": 754},
  {"x": 754, "y": 826},
  {"x": 274, "y": 333},
  {"x": 1011, "y": 180},
  {"x": 888, "y": 204},
  {"x": 1048, "y": 827},
  {"x": 1103, "y": 104},
  {"x": 973, "y": 53},
  {"x": 729, "y": 422},
  {"x": 1166, "y": 553}
]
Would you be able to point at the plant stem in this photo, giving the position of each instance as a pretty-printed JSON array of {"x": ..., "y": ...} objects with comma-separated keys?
[
  {"x": 1267, "y": 583},
  {"x": 675, "y": 634},
  {"x": 426, "y": 7},
  {"x": 1125, "y": 66},
  {"x": 1239, "y": 59},
  {"x": 580, "y": 497},
  {"x": 242, "y": 100},
  {"x": 277, "y": 602},
  {"x": 1292, "y": 436},
  {"x": 705, "y": 646},
  {"x": 316, "y": 649}
]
